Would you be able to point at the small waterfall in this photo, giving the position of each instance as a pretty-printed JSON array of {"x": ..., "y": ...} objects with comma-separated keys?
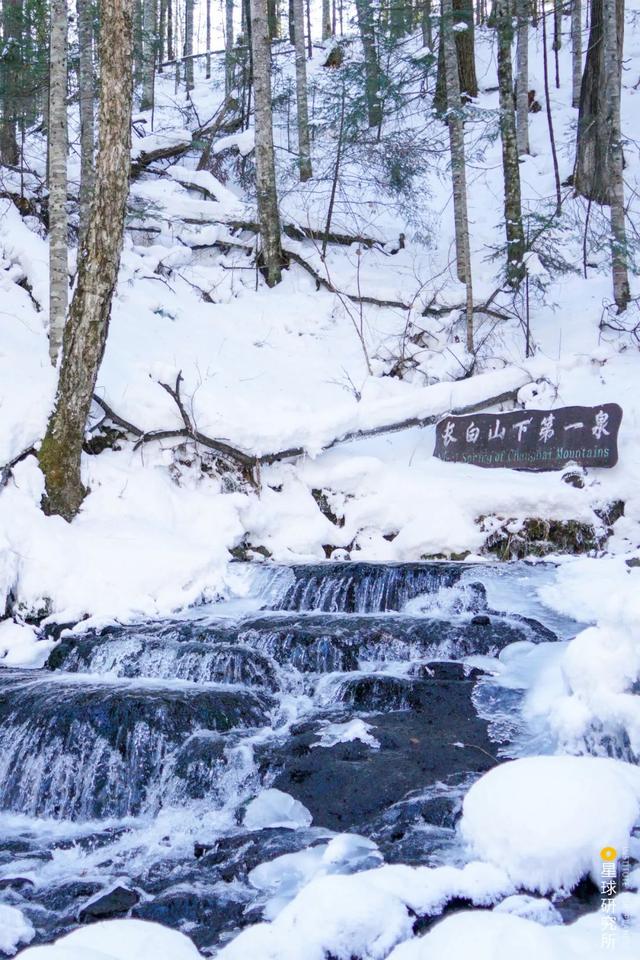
[
  {"x": 83, "y": 750},
  {"x": 364, "y": 587}
]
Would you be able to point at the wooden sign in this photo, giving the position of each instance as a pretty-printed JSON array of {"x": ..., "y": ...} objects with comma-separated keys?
[{"x": 532, "y": 439}]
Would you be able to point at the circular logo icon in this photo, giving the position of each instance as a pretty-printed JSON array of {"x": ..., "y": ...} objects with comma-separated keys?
[{"x": 608, "y": 853}]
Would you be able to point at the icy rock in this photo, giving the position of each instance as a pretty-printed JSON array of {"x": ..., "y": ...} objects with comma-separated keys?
[
  {"x": 109, "y": 903},
  {"x": 538, "y": 909},
  {"x": 117, "y": 940},
  {"x": 544, "y": 820},
  {"x": 274, "y": 808}
]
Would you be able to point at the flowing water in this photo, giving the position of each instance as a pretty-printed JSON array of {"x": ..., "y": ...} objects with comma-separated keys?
[{"x": 358, "y": 689}]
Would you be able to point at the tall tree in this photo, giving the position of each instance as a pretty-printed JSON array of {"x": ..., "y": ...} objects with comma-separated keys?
[
  {"x": 304, "y": 145},
  {"x": 592, "y": 174},
  {"x": 576, "y": 51},
  {"x": 327, "y": 29},
  {"x": 86, "y": 329},
  {"x": 458, "y": 164},
  {"x": 148, "y": 64},
  {"x": 522, "y": 82},
  {"x": 265, "y": 156},
  {"x": 364, "y": 11},
  {"x": 510, "y": 165},
  {"x": 58, "y": 145},
  {"x": 613, "y": 72},
  {"x": 463, "y": 24},
  {"x": 188, "y": 43},
  {"x": 208, "y": 40},
  {"x": 228, "y": 46},
  {"x": 10, "y": 70},
  {"x": 86, "y": 93}
]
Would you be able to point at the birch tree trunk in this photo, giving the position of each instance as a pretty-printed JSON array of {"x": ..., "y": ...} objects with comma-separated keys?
[
  {"x": 264, "y": 150},
  {"x": 576, "y": 51},
  {"x": 462, "y": 13},
  {"x": 228, "y": 47},
  {"x": 86, "y": 91},
  {"x": 326, "y": 19},
  {"x": 371, "y": 65},
  {"x": 87, "y": 326},
  {"x": 188, "y": 43},
  {"x": 148, "y": 53},
  {"x": 458, "y": 164},
  {"x": 522, "y": 82},
  {"x": 304, "y": 146},
  {"x": 613, "y": 73},
  {"x": 510, "y": 165},
  {"x": 58, "y": 144}
]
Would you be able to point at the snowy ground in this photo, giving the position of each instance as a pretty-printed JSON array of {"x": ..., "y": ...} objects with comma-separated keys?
[{"x": 270, "y": 369}]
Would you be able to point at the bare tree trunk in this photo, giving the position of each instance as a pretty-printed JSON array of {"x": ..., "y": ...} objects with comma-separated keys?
[
  {"x": 208, "y": 41},
  {"x": 58, "y": 144},
  {"x": 188, "y": 43},
  {"x": 162, "y": 31},
  {"x": 304, "y": 146},
  {"x": 462, "y": 13},
  {"x": 557, "y": 37},
  {"x": 228, "y": 46},
  {"x": 86, "y": 91},
  {"x": 326, "y": 19},
  {"x": 427, "y": 33},
  {"x": 309, "y": 38},
  {"x": 592, "y": 174},
  {"x": 522, "y": 82},
  {"x": 613, "y": 73},
  {"x": 510, "y": 165},
  {"x": 371, "y": 65},
  {"x": 264, "y": 151},
  {"x": 170, "y": 47},
  {"x": 458, "y": 163},
  {"x": 148, "y": 53},
  {"x": 10, "y": 76},
  {"x": 576, "y": 51},
  {"x": 547, "y": 98},
  {"x": 86, "y": 329}
]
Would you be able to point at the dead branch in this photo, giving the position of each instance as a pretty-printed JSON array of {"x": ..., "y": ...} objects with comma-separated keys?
[
  {"x": 207, "y": 130},
  {"x": 5, "y": 470},
  {"x": 356, "y": 298}
]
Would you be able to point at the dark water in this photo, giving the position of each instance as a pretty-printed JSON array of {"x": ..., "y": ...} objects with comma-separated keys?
[{"x": 128, "y": 761}]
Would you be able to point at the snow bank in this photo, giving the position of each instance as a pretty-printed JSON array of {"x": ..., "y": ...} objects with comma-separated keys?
[
  {"x": 499, "y": 936},
  {"x": 544, "y": 820},
  {"x": 118, "y": 940},
  {"x": 14, "y": 929}
]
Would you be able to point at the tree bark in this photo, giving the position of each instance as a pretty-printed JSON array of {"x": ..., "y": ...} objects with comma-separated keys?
[
  {"x": 462, "y": 12},
  {"x": 613, "y": 72},
  {"x": 87, "y": 325},
  {"x": 592, "y": 174},
  {"x": 458, "y": 164},
  {"x": 364, "y": 13},
  {"x": 188, "y": 43},
  {"x": 264, "y": 151},
  {"x": 522, "y": 82},
  {"x": 304, "y": 145},
  {"x": 10, "y": 71},
  {"x": 327, "y": 30},
  {"x": 58, "y": 144},
  {"x": 576, "y": 51},
  {"x": 510, "y": 165},
  {"x": 228, "y": 46},
  {"x": 208, "y": 40},
  {"x": 86, "y": 92},
  {"x": 148, "y": 53},
  {"x": 170, "y": 47}
]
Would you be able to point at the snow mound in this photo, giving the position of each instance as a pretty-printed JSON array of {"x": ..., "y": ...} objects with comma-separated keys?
[
  {"x": 501, "y": 936},
  {"x": 14, "y": 929},
  {"x": 274, "y": 808},
  {"x": 117, "y": 940},
  {"x": 544, "y": 820}
]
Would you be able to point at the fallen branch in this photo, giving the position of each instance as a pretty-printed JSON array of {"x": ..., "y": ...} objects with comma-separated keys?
[
  {"x": 249, "y": 462},
  {"x": 356, "y": 298},
  {"x": 145, "y": 159},
  {"x": 5, "y": 471}
]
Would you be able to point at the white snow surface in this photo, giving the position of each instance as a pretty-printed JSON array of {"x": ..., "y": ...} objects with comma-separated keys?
[{"x": 14, "y": 929}]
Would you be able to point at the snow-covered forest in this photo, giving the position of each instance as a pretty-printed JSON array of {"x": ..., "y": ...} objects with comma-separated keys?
[{"x": 290, "y": 669}]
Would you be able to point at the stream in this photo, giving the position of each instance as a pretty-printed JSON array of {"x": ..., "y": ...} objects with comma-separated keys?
[{"x": 363, "y": 691}]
